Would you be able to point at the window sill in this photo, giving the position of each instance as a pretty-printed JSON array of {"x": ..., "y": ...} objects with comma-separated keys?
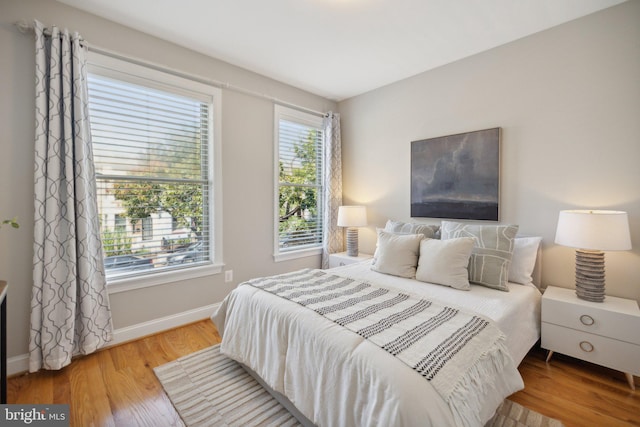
[
  {"x": 303, "y": 253},
  {"x": 115, "y": 286}
]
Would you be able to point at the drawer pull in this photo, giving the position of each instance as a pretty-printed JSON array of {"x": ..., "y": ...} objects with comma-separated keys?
[
  {"x": 586, "y": 346},
  {"x": 587, "y": 320}
]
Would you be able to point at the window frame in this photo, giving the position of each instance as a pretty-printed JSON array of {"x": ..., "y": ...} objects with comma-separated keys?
[
  {"x": 158, "y": 78},
  {"x": 291, "y": 114}
]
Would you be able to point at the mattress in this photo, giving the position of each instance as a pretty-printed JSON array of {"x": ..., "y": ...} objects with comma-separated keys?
[{"x": 334, "y": 377}]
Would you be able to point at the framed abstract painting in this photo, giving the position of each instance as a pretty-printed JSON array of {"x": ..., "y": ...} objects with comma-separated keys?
[{"x": 457, "y": 176}]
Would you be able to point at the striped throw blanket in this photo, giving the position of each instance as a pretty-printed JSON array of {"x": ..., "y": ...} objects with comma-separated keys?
[{"x": 450, "y": 348}]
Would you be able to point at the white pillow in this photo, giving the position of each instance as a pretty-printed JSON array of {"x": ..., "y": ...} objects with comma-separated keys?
[
  {"x": 397, "y": 254},
  {"x": 523, "y": 261},
  {"x": 445, "y": 262}
]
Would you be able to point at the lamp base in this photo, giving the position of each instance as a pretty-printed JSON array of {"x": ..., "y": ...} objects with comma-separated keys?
[
  {"x": 590, "y": 275},
  {"x": 352, "y": 241}
]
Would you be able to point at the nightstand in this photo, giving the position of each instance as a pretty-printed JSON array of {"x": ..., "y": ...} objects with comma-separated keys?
[
  {"x": 605, "y": 333},
  {"x": 341, "y": 258}
]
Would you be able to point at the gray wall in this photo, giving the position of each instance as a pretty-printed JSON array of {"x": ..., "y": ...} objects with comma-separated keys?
[
  {"x": 247, "y": 150},
  {"x": 568, "y": 101}
]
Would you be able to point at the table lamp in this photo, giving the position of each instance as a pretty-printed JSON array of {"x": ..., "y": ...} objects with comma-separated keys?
[
  {"x": 352, "y": 217},
  {"x": 591, "y": 232}
]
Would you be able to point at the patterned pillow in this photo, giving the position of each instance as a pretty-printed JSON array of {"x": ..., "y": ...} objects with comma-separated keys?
[
  {"x": 491, "y": 256},
  {"x": 429, "y": 231}
]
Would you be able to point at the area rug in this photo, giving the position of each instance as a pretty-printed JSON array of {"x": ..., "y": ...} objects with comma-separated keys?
[{"x": 209, "y": 389}]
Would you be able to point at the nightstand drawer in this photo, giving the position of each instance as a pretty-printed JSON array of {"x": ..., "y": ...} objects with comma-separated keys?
[
  {"x": 592, "y": 317},
  {"x": 341, "y": 259},
  {"x": 337, "y": 262},
  {"x": 592, "y": 348}
]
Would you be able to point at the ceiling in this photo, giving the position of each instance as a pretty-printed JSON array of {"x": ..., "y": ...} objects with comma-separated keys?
[{"x": 340, "y": 48}]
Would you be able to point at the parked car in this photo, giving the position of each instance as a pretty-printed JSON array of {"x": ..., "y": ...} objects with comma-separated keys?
[
  {"x": 120, "y": 263},
  {"x": 192, "y": 253},
  {"x": 298, "y": 238}
]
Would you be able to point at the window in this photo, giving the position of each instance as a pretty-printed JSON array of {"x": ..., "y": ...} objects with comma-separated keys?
[
  {"x": 120, "y": 223},
  {"x": 147, "y": 228},
  {"x": 156, "y": 160},
  {"x": 299, "y": 183}
]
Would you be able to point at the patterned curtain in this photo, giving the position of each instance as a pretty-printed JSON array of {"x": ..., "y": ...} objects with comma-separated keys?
[
  {"x": 70, "y": 311},
  {"x": 332, "y": 238}
]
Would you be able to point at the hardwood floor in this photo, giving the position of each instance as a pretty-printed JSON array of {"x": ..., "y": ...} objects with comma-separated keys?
[
  {"x": 578, "y": 393},
  {"x": 117, "y": 386}
]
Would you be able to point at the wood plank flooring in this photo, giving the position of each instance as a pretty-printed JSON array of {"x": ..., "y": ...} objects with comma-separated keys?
[
  {"x": 578, "y": 393},
  {"x": 117, "y": 386}
]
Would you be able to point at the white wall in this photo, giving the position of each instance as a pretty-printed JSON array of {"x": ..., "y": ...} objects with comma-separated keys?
[
  {"x": 568, "y": 102},
  {"x": 247, "y": 150}
]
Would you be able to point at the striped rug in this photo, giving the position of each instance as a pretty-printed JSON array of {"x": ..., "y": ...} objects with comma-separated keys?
[{"x": 209, "y": 389}]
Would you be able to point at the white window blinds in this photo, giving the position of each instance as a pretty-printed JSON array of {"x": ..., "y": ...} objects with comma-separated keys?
[
  {"x": 151, "y": 151},
  {"x": 300, "y": 182}
]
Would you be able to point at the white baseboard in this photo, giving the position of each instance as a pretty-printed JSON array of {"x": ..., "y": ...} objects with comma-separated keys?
[
  {"x": 19, "y": 364},
  {"x": 140, "y": 330}
]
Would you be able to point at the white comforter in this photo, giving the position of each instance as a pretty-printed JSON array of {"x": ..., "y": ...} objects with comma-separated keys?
[{"x": 337, "y": 378}]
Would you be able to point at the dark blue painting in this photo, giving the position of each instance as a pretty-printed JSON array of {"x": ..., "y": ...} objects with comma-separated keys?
[{"x": 457, "y": 176}]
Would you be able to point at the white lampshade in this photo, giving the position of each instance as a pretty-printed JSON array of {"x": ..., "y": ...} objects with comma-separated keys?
[
  {"x": 594, "y": 230},
  {"x": 352, "y": 216}
]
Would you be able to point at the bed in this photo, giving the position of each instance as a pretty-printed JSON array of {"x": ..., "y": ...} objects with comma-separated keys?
[{"x": 333, "y": 376}]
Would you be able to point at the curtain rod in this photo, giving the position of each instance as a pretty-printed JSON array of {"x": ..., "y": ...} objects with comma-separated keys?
[{"x": 25, "y": 27}]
